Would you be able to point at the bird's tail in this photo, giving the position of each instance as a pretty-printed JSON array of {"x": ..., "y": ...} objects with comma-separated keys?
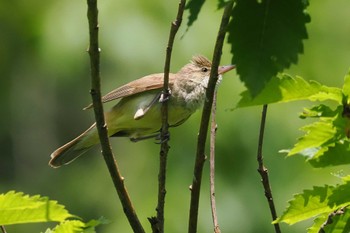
[{"x": 73, "y": 149}]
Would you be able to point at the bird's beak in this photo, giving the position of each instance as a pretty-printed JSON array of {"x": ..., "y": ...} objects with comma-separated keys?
[{"x": 224, "y": 69}]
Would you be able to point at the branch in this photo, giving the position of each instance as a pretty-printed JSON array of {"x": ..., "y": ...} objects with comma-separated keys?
[
  {"x": 118, "y": 180},
  {"x": 3, "y": 229},
  {"x": 203, "y": 130},
  {"x": 212, "y": 166},
  {"x": 158, "y": 225},
  {"x": 264, "y": 172}
]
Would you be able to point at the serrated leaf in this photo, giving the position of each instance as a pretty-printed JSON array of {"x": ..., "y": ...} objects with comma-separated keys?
[
  {"x": 266, "y": 38},
  {"x": 333, "y": 155},
  {"x": 194, "y": 6},
  {"x": 285, "y": 88},
  {"x": 316, "y": 135},
  {"x": 77, "y": 226},
  {"x": 315, "y": 202},
  {"x": 317, "y": 223},
  {"x": 15, "y": 207},
  {"x": 320, "y": 110},
  {"x": 308, "y": 204}
]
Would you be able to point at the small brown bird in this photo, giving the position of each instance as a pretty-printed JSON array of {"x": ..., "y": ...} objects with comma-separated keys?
[{"x": 138, "y": 113}]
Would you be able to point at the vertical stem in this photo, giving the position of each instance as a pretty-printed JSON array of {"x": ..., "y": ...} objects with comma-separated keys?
[
  {"x": 264, "y": 172},
  {"x": 118, "y": 180},
  {"x": 3, "y": 229},
  {"x": 203, "y": 130},
  {"x": 158, "y": 225},
  {"x": 212, "y": 166}
]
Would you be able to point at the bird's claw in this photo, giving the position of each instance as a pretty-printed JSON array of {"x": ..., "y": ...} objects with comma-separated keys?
[
  {"x": 162, "y": 138},
  {"x": 165, "y": 96}
]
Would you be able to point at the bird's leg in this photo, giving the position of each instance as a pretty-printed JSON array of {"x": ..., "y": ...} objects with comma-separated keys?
[
  {"x": 156, "y": 135},
  {"x": 165, "y": 96}
]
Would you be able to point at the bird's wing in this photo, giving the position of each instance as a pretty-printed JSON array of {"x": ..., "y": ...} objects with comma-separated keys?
[{"x": 147, "y": 83}]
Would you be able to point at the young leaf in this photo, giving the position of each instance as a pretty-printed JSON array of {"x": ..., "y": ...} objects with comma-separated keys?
[
  {"x": 315, "y": 202},
  {"x": 77, "y": 226},
  {"x": 318, "y": 201},
  {"x": 266, "y": 38},
  {"x": 285, "y": 88},
  {"x": 308, "y": 204},
  {"x": 19, "y": 208},
  {"x": 317, "y": 223}
]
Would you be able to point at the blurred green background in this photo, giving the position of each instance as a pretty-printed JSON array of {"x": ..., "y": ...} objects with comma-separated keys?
[{"x": 45, "y": 84}]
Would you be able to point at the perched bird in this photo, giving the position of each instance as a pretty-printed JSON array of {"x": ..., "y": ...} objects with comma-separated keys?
[{"x": 138, "y": 113}]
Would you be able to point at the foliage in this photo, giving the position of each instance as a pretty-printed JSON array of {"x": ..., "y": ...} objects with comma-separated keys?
[
  {"x": 266, "y": 38},
  {"x": 324, "y": 203},
  {"x": 18, "y": 208}
]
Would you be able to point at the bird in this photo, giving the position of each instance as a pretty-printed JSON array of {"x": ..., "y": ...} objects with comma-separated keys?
[{"x": 138, "y": 115}]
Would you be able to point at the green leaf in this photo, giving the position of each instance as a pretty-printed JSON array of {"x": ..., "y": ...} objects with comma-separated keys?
[
  {"x": 285, "y": 88},
  {"x": 315, "y": 202},
  {"x": 317, "y": 134},
  {"x": 308, "y": 204},
  {"x": 266, "y": 38},
  {"x": 77, "y": 226},
  {"x": 317, "y": 224},
  {"x": 340, "y": 222},
  {"x": 194, "y": 6},
  {"x": 19, "y": 208},
  {"x": 346, "y": 86}
]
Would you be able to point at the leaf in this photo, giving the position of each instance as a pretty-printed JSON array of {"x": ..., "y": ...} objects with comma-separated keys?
[
  {"x": 317, "y": 134},
  {"x": 317, "y": 224},
  {"x": 340, "y": 222},
  {"x": 194, "y": 6},
  {"x": 346, "y": 86},
  {"x": 285, "y": 88},
  {"x": 19, "y": 208},
  {"x": 308, "y": 204},
  {"x": 77, "y": 226},
  {"x": 318, "y": 201},
  {"x": 266, "y": 38}
]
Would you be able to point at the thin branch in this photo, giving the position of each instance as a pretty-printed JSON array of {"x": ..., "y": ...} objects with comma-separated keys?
[
  {"x": 212, "y": 166},
  {"x": 203, "y": 130},
  {"x": 3, "y": 229},
  {"x": 158, "y": 225},
  {"x": 264, "y": 172},
  {"x": 118, "y": 180}
]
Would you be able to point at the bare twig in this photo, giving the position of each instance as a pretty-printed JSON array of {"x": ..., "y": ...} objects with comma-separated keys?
[
  {"x": 101, "y": 126},
  {"x": 212, "y": 166},
  {"x": 264, "y": 172},
  {"x": 203, "y": 130},
  {"x": 158, "y": 224},
  {"x": 3, "y": 229}
]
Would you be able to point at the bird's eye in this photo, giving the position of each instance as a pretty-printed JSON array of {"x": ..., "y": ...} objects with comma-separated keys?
[{"x": 204, "y": 69}]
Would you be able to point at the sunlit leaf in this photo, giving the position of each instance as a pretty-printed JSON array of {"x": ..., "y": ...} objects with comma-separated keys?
[
  {"x": 317, "y": 223},
  {"x": 346, "y": 86},
  {"x": 19, "y": 208},
  {"x": 266, "y": 38},
  {"x": 286, "y": 88},
  {"x": 308, "y": 204},
  {"x": 319, "y": 201},
  {"x": 339, "y": 222},
  {"x": 77, "y": 226}
]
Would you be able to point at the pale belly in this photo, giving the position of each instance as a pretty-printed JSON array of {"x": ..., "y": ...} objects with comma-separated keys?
[{"x": 121, "y": 122}]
